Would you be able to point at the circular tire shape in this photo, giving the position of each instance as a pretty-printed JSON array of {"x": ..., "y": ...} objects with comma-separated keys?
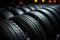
[
  {"x": 44, "y": 23},
  {"x": 31, "y": 8},
  {"x": 56, "y": 7},
  {"x": 10, "y": 31},
  {"x": 14, "y": 11},
  {"x": 50, "y": 17},
  {"x": 5, "y": 14},
  {"x": 57, "y": 11},
  {"x": 56, "y": 15},
  {"x": 24, "y": 9},
  {"x": 36, "y": 7},
  {"x": 31, "y": 26}
]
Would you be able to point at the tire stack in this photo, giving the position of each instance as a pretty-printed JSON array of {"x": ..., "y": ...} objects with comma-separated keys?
[{"x": 30, "y": 22}]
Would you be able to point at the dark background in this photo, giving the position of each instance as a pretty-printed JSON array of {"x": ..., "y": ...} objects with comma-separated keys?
[{"x": 19, "y": 2}]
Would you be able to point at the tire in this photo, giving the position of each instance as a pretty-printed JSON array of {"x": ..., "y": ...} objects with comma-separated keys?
[
  {"x": 44, "y": 22},
  {"x": 5, "y": 14},
  {"x": 31, "y": 8},
  {"x": 57, "y": 17},
  {"x": 11, "y": 31},
  {"x": 50, "y": 17},
  {"x": 56, "y": 9},
  {"x": 36, "y": 7},
  {"x": 24, "y": 9},
  {"x": 31, "y": 26},
  {"x": 14, "y": 11}
]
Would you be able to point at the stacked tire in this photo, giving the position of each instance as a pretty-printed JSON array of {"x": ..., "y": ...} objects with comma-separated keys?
[{"x": 30, "y": 22}]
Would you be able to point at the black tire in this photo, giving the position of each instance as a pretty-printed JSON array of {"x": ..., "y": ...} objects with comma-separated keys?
[
  {"x": 5, "y": 33},
  {"x": 50, "y": 17},
  {"x": 41, "y": 6},
  {"x": 56, "y": 9},
  {"x": 5, "y": 14},
  {"x": 44, "y": 22},
  {"x": 56, "y": 15},
  {"x": 11, "y": 31},
  {"x": 31, "y": 26},
  {"x": 36, "y": 7},
  {"x": 18, "y": 11},
  {"x": 31, "y": 8},
  {"x": 24, "y": 9},
  {"x": 14, "y": 11}
]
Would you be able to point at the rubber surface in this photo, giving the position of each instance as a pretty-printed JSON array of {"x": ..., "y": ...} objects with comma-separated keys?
[
  {"x": 55, "y": 13},
  {"x": 31, "y": 8},
  {"x": 24, "y": 9},
  {"x": 14, "y": 11},
  {"x": 50, "y": 17},
  {"x": 15, "y": 32},
  {"x": 31, "y": 26},
  {"x": 5, "y": 14},
  {"x": 43, "y": 21}
]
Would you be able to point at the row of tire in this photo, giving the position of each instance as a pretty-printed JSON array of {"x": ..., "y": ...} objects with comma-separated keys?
[{"x": 33, "y": 22}]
